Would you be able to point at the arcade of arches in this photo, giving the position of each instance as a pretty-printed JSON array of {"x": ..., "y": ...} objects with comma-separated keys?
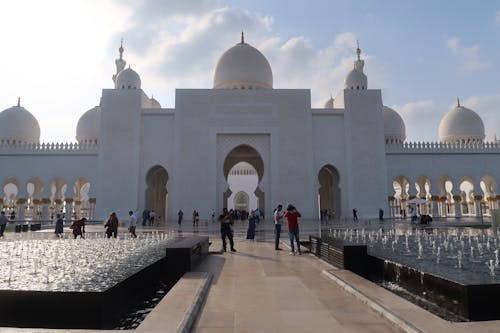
[
  {"x": 36, "y": 200},
  {"x": 445, "y": 197}
]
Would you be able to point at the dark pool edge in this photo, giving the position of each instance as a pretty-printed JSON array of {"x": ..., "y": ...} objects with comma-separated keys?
[{"x": 374, "y": 305}]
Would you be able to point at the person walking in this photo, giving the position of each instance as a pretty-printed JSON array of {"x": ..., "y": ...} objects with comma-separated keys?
[
  {"x": 78, "y": 227},
  {"x": 292, "y": 217},
  {"x": 112, "y": 226},
  {"x": 278, "y": 219},
  {"x": 3, "y": 223},
  {"x": 226, "y": 222},
  {"x": 354, "y": 214},
  {"x": 59, "y": 226},
  {"x": 180, "y": 214},
  {"x": 132, "y": 224},
  {"x": 381, "y": 214},
  {"x": 251, "y": 226}
]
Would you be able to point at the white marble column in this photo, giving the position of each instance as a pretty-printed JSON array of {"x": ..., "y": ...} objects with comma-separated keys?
[
  {"x": 458, "y": 208},
  {"x": 69, "y": 209},
  {"x": 45, "y": 209},
  {"x": 435, "y": 206},
  {"x": 477, "y": 205},
  {"x": 21, "y": 202}
]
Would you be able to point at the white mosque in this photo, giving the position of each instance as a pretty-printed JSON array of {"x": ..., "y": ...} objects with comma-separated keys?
[{"x": 132, "y": 154}]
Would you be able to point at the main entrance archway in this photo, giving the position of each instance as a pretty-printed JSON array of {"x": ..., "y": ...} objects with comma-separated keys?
[
  {"x": 245, "y": 153},
  {"x": 233, "y": 148},
  {"x": 156, "y": 191}
]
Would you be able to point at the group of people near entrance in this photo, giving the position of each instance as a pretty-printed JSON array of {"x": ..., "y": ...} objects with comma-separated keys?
[{"x": 291, "y": 215}]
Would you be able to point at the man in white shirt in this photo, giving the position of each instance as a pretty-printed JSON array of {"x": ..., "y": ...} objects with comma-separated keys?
[
  {"x": 278, "y": 219},
  {"x": 132, "y": 223}
]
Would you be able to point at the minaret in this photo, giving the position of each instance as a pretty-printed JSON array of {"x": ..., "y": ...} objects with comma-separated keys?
[
  {"x": 120, "y": 63},
  {"x": 242, "y": 38},
  {"x": 359, "y": 64}
]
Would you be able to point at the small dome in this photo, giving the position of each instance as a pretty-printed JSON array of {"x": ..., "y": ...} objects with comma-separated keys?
[
  {"x": 356, "y": 80},
  {"x": 394, "y": 126},
  {"x": 155, "y": 104},
  {"x": 128, "y": 79},
  {"x": 18, "y": 125},
  {"x": 329, "y": 103},
  {"x": 243, "y": 67},
  {"x": 87, "y": 129},
  {"x": 461, "y": 125}
]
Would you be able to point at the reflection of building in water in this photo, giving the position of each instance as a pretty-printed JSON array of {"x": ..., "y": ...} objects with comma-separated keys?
[{"x": 244, "y": 143}]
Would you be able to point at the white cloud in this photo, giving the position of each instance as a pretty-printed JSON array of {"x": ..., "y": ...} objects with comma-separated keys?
[
  {"x": 59, "y": 72},
  {"x": 469, "y": 56},
  {"x": 53, "y": 59},
  {"x": 186, "y": 58},
  {"x": 421, "y": 120}
]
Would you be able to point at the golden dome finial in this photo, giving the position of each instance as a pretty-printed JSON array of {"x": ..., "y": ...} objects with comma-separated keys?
[
  {"x": 358, "y": 50},
  {"x": 121, "y": 48},
  {"x": 242, "y": 38}
]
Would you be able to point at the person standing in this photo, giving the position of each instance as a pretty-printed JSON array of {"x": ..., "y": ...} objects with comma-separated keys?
[
  {"x": 3, "y": 223},
  {"x": 213, "y": 215},
  {"x": 257, "y": 215},
  {"x": 278, "y": 219},
  {"x": 355, "y": 214},
  {"x": 132, "y": 224},
  {"x": 381, "y": 214},
  {"x": 112, "y": 226},
  {"x": 145, "y": 217},
  {"x": 225, "y": 230},
  {"x": 59, "y": 226},
  {"x": 152, "y": 216},
  {"x": 251, "y": 226},
  {"x": 180, "y": 214},
  {"x": 292, "y": 216}
]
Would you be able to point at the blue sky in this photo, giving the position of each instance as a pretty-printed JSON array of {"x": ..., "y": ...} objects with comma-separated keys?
[{"x": 58, "y": 55}]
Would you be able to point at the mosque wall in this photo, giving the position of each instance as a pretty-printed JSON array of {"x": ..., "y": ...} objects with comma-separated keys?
[
  {"x": 282, "y": 115},
  {"x": 157, "y": 148},
  {"x": 329, "y": 146},
  {"x": 366, "y": 163},
  {"x": 119, "y": 152}
]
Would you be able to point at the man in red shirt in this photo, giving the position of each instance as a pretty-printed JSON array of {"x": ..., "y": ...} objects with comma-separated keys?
[{"x": 292, "y": 216}]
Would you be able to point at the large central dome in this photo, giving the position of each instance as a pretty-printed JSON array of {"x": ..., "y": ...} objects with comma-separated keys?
[{"x": 243, "y": 67}]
